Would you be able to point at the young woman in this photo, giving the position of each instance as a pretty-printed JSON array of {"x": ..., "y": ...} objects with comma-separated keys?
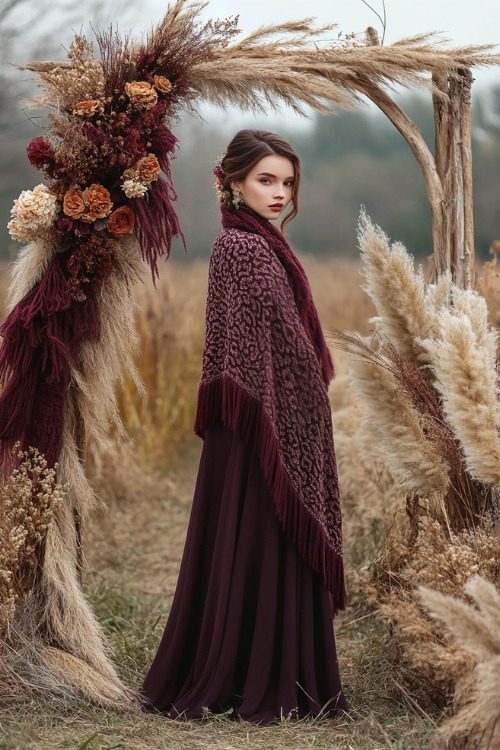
[{"x": 250, "y": 631}]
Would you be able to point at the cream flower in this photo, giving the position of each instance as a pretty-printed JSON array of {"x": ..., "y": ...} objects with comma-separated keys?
[
  {"x": 134, "y": 189},
  {"x": 34, "y": 211}
]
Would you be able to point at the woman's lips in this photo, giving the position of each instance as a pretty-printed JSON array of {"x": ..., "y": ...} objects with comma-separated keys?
[{"x": 276, "y": 207}]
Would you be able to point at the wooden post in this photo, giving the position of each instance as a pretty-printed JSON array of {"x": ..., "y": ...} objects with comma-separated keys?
[{"x": 454, "y": 249}]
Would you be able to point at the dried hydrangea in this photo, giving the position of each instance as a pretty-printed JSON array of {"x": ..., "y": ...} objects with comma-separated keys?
[
  {"x": 134, "y": 189},
  {"x": 34, "y": 211}
]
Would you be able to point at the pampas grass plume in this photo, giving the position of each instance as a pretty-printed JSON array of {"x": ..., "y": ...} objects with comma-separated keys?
[
  {"x": 406, "y": 312},
  {"x": 477, "y": 722},
  {"x": 463, "y": 360},
  {"x": 395, "y": 427}
]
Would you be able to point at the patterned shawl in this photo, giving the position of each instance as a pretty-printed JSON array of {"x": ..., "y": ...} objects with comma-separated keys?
[{"x": 266, "y": 369}]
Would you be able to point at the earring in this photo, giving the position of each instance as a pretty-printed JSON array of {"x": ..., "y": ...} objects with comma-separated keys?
[{"x": 237, "y": 199}]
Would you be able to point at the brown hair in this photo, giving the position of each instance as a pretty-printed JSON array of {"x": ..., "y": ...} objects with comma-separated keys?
[{"x": 246, "y": 149}]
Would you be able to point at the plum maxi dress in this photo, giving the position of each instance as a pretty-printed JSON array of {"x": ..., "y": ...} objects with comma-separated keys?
[{"x": 250, "y": 630}]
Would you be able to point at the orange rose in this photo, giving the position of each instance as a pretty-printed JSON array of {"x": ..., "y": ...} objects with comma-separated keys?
[
  {"x": 148, "y": 168},
  {"x": 162, "y": 84},
  {"x": 97, "y": 201},
  {"x": 73, "y": 204},
  {"x": 141, "y": 94},
  {"x": 121, "y": 221},
  {"x": 87, "y": 109}
]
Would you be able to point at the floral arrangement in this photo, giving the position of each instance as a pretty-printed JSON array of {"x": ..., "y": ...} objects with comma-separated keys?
[{"x": 103, "y": 159}]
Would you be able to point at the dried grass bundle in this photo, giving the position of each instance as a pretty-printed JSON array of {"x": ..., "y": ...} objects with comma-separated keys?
[
  {"x": 396, "y": 427},
  {"x": 442, "y": 561},
  {"x": 57, "y": 612},
  {"x": 476, "y": 723},
  {"x": 463, "y": 360},
  {"x": 407, "y": 311},
  {"x": 285, "y": 64},
  {"x": 440, "y": 378}
]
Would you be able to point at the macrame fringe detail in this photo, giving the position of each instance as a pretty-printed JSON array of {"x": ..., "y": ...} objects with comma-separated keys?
[{"x": 224, "y": 399}]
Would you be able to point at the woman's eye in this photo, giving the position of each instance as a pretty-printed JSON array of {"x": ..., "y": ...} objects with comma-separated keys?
[{"x": 265, "y": 181}]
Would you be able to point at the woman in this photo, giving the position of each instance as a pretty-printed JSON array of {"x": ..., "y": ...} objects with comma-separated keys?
[{"x": 250, "y": 631}]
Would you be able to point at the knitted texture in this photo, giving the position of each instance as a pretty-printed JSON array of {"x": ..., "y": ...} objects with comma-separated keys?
[{"x": 263, "y": 378}]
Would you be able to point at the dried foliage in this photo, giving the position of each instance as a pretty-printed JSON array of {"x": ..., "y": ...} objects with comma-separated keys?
[
  {"x": 463, "y": 360},
  {"x": 427, "y": 382},
  {"x": 476, "y": 723},
  {"x": 288, "y": 63},
  {"x": 28, "y": 500},
  {"x": 443, "y": 561}
]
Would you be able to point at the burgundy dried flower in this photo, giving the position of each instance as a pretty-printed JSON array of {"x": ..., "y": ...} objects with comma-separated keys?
[
  {"x": 40, "y": 152},
  {"x": 91, "y": 261},
  {"x": 219, "y": 172},
  {"x": 133, "y": 145},
  {"x": 93, "y": 134},
  {"x": 64, "y": 226}
]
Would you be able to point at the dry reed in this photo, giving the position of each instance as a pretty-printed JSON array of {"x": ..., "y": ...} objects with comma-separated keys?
[
  {"x": 463, "y": 357},
  {"x": 476, "y": 722}
]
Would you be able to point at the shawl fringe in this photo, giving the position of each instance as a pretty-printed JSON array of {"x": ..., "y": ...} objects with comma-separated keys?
[{"x": 224, "y": 399}]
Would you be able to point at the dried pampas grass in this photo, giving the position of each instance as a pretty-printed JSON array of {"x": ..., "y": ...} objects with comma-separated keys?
[
  {"x": 463, "y": 360},
  {"x": 394, "y": 425},
  {"x": 476, "y": 723},
  {"x": 427, "y": 382},
  {"x": 290, "y": 64},
  {"x": 407, "y": 310}
]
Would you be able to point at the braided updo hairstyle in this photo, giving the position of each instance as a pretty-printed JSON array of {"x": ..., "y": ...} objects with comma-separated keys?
[{"x": 244, "y": 151}]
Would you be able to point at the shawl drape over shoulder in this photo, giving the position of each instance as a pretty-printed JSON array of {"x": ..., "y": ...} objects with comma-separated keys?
[{"x": 263, "y": 378}]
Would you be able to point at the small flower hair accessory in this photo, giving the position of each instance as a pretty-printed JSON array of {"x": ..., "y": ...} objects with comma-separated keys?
[{"x": 219, "y": 173}]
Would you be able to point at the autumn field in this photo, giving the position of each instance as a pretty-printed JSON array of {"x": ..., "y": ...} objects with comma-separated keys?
[{"x": 133, "y": 544}]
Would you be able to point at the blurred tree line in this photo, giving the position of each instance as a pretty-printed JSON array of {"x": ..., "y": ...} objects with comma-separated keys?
[{"x": 350, "y": 159}]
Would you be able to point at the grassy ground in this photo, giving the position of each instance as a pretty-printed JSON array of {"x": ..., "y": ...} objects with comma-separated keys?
[{"x": 133, "y": 552}]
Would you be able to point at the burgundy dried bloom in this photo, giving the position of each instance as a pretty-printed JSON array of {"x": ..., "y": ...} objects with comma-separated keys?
[
  {"x": 219, "y": 172},
  {"x": 93, "y": 134},
  {"x": 133, "y": 145},
  {"x": 163, "y": 143},
  {"x": 40, "y": 152},
  {"x": 91, "y": 261},
  {"x": 64, "y": 227}
]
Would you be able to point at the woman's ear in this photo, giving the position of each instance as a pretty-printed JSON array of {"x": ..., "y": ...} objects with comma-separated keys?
[{"x": 235, "y": 185}]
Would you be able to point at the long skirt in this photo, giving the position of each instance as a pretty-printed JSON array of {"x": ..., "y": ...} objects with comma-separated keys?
[{"x": 250, "y": 631}]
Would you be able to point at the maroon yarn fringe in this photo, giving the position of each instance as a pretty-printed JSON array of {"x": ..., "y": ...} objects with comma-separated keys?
[
  {"x": 223, "y": 399},
  {"x": 41, "y": 337},
  {"x": 156, "y": 223}
]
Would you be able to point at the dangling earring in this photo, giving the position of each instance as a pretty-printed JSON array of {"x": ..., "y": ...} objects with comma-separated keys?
[{"x": 237, "y": 199}]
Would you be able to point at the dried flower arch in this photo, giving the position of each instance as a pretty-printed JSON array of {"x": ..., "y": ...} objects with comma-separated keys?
[{"x": 107, "y": 209}]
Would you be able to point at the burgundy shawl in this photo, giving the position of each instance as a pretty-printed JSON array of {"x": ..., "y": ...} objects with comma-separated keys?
[{"x": 266, "y": 369}]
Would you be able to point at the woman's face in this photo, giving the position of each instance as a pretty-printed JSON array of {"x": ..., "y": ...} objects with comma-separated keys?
[{"x": 267, "y": 188}]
